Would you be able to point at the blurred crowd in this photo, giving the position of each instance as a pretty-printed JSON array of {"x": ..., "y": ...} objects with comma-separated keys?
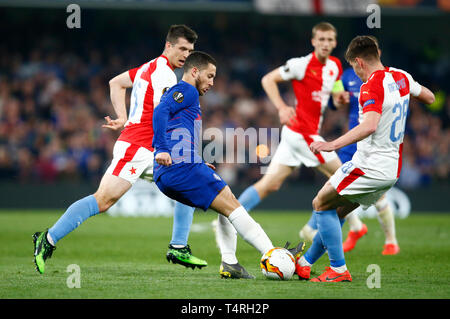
[{"x": 53, "y": 103}]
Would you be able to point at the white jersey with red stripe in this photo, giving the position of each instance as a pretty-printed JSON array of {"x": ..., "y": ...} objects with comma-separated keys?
[
  {"x": 387, "y": 92},
  {"x": 149, "y": 82},
  {"x": 312, "y": 82}
]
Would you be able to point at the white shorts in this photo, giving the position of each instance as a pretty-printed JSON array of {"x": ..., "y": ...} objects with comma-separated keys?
[
  {"x": 352, "y": 183},
  {"x": 130, "y": 161},
  {"x": 294, "y": 150}
]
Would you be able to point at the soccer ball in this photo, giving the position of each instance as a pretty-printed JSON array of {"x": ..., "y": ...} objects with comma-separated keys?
[{"x": 278, "y": 263}]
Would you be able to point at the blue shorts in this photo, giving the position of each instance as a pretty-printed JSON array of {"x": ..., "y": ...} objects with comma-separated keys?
[
  {"x": 193, "y": 184},
  {"x": 346, "y": 153}
]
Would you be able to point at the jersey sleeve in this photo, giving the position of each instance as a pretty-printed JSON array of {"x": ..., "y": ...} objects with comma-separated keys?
[
  {"x": 160, "y": 119},
  {"x": 372, "y": 96},
  {"x": 162, "y": 79},
  {"x": 132, "y": 73},
  {"x": 414, "y": 87},
  {"x": 182, "y": 98},
  {"x": 341, "y": 71},
  {"x": 294, "y": 69}
]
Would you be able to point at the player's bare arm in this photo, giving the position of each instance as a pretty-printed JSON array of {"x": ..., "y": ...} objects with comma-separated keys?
[
  {"x": 367, "y": 127},
  {"x": 118, "y": 86},
  {"x": 425, "y": 96},
  {"x": 270, "y": 85}
]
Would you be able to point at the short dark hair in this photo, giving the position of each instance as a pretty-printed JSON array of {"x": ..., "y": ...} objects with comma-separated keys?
[
  {"x": 323, "y": 26},
  {"x": 364, "y": 47},
  {"x": 374, "y": 39},
  {"x": 177, "y": 31},
  {"x": 198, "y": 59}
]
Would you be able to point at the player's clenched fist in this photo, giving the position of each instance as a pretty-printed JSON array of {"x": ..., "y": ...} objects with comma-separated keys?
[
  {"x": 163, "y": 159},
  {"x": 320, "y": 146}
]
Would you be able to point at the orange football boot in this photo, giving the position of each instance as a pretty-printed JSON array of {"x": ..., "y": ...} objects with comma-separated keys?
[
  {"x": 331, "y": 276},
  {"x": 353, "y": 237},
  {"x": 391, "y": 249},
  {"x": 303, "y": 272}
]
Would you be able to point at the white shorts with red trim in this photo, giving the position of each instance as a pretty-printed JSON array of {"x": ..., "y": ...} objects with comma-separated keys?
[
  {"x": 354, "y": 184},
  {"x": 130, "y": 161},
  {"x": 294, "y": 150}
]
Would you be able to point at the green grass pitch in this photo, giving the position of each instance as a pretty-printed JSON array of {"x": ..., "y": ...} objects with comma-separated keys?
[{"x": 125, "y": 258}]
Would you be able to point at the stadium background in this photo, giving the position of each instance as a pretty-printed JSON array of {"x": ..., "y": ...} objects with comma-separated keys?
[{"x": 54, "y": 88}]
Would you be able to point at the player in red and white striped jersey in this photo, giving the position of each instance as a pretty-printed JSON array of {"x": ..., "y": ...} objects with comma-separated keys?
[
  {"x": 133, "y": 152},
  {"x": 314, "y": 79},
  {"x": 376, "y": 165}
]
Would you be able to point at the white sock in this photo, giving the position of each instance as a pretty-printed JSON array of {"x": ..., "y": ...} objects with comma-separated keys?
[
  {"x": 387, "y": 221},
  {"x": 340, "y": 269},
  {"x": 178, "y": 246},
  {"x": 250, "y": 230},
  {"x": 50, "y": 239},
  {"x": 354, "y": 222},
  {"x": 226, "y": 238},
  {"x": 303, "y": 262}
]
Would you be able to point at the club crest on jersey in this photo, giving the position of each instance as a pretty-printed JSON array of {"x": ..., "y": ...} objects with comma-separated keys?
[
  {"x": 178, "y": 96},
  {"x": 165, "y": 90}
]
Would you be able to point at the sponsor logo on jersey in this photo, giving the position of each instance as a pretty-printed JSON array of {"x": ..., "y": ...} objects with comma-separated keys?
[
  {"x": 178, "y": 96},
  {"x": 400, "y": 84}
]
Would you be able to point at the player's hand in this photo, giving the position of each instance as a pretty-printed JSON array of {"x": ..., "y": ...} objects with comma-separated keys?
[
  {"x": 211, "y": 166},
  {"x": 341, "y": 98},
  {"x": 163, "y": 159},
  {"x": 114, "y": 125},
  {"x": 287, "y": 115},
  {"x": 320, "y": 146}
]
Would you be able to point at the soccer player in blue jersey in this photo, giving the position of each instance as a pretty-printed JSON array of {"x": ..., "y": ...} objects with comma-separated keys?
[
  {"x": 179, "y": 171},
  {"x": 352, "y": 84}
]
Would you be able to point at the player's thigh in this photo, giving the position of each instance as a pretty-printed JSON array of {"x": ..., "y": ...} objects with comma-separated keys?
[
  {"x": 328, "y": 198},
  {"x": 274, "y": 177},
  {"x": 225, "y": 202},
  {"x": 330, "y": 167},
  {"x": 110, "y": 190}
]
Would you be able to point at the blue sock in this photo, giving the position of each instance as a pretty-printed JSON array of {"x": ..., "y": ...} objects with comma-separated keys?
[
  {"x": 77, "y": 213},
  {"x": 330, "y": 231},
  {"x": 312, "y": 222},
  {"x": 182, "y": 220},
  {"x": 249, "y": 198},
  {"x": 317, "y": 248}
]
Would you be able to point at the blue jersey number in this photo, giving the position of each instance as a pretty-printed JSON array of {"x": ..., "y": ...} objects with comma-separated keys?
[{"x": 401, "y": 118}]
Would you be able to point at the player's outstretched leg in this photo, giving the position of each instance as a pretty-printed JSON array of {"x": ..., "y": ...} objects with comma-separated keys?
[
  {"x": 226, "y": 204},
  {"x": 357, "y": 230},
  {"x": 110, "y": 190},
  {"x": 226, "y": 238},
  {"x": 329, "y": 226},
  {"x": 329, "y": 236},
  {"x": 179, "y": 251},
  {"x": 386, "y": 218}
]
